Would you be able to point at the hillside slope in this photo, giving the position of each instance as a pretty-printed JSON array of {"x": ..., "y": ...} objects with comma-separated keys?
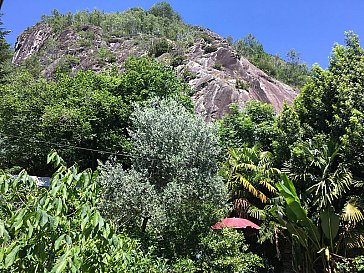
[{"x": 217, "y": 74}]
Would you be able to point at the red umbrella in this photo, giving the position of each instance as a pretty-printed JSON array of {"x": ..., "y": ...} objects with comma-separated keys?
[{"x": 235, "y": 223}]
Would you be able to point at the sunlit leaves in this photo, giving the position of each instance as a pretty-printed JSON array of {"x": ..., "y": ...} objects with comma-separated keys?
[
  {"x": 83, "y": 116},
  {"x": 249, "y": 169},
  {"x": 59, "y": 228},
  {"x": 352, "y": 212}
]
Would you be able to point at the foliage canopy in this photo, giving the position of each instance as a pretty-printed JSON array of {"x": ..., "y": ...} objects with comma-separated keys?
[{"x": 80, "y": 115}]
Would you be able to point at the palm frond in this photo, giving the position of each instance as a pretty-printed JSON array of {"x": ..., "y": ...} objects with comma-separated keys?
[
  {"x": 355, "y": 240},
  {"x": 351, "y": 212},
  {"x": 257, "y": 213},
  {"x": 267, "y": 184},
  {"x": 249, "y": 169},
  {"x": 251, "y": 188}
]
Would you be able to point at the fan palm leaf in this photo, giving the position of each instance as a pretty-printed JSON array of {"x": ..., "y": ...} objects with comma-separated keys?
[
  {"x": 355, "y": 239},
  {"x": 351, "y": 212}
]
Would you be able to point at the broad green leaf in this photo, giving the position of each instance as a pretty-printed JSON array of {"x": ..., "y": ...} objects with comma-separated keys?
[
  {"x": 44, "y": 219},
  {"x": 3, "y": 232},
  {"x": 30, "y": 229},
  {"x": 19, "y": 219},
  {"x": 59, "y": 204},
  {"x": 10, "y": 258},
  {"x": 58, "y": 242},
  {"x": 330, "y": 222},
  {"x": 61, "y": 265},
  {"x": 84, "y": 222},
  {"x": 288, "y": 191}
]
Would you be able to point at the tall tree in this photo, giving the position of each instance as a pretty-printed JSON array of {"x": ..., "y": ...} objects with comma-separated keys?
[
  {"x": 253, "y": 125},
  {"x": 332, "y": 103},
  {"x": 173, "y": 190},
  {"x": 5, "y": 53}
]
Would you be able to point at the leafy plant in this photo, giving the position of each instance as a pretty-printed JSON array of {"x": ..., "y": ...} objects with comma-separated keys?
[
  {"x": 332, "y": 103},
  {"x": 164, "y": 9},
  {"x": 80, "y": 115},
  {"x": 226, "y": 251},
  {"x": 290, "y": 70},
  {"x": 253, "y": 125},
  {"x": 105, "y": 55},
  {"x": 59, "y": 229},
  {"x": 317, "y": 239},
  {"x": 249, "y": 174},
  {"x": 128, "y": 198},
  {"x": 217, "y": 66},
  {"x": 241, "y": 84},
  {"x": 172, "y": 192},
  {"x": 5, "y": 54},
  {"x": 159, "y": 47},
  {"x": 209, "y": 48}
]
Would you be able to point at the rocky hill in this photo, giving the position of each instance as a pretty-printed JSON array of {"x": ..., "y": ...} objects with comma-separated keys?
[{"x": 217, "y": 74}]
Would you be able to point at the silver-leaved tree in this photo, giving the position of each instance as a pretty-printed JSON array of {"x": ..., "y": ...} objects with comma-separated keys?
[{"x": 172, "y": 191}]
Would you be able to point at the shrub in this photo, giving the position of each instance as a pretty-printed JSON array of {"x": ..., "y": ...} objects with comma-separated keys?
[
  {"x": 105, "y": 55},
  {"x": 188, "y": 75},
  {"x": 164, "y": 9},
  {"x": 177, "y": 60},
  {"x": 59, "y": 229},
  {"x": 253, "y": 125},
  {"x": 225, "y": 251},
  {"x": 217, "y": 66},
  {"x": 241, "y": 84},
  {"x": 129, "y": 198},
  {"x": 209, "y": 49},
  {"x": 159, "y": 47},
  {"x": 88, "y": 110}
]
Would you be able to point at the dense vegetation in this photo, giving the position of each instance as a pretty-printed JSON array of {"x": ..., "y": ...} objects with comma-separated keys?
[
  {"x": 88, "y": 110},
  {"x": 291, "y": 71},
  {"x": 160, "y": 20},
  {"x": 147, "y": 177}
]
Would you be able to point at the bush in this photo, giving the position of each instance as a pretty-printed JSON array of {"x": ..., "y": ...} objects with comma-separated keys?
[
  {"x": 251, "y": 126},
  {"x": 59, "y": 229},
  {"x": 177, "y": 60},
  {"x": 291, "y": 71},
  {"x": 209, "y": 49},
  {"x": 217, "y": 66},
  {"x": 106, "y": 56},
  {"x": 129, "y": 198},
  {"x": 88, "y": 110},
  {"x": 164, "y": 9},
  {"x": 225, "y": 251},
  {"x": 241, "y": 84},
  {"x": 159, "y": 47}
]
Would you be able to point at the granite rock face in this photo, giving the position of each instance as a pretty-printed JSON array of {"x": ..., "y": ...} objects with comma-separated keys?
[
  {"x": 219, "y": 76},
  {"x": 30, "y": 42},
  {"x": 222, "y": 78}
]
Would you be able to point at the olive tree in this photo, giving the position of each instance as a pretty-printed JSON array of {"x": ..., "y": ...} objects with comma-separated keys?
[{"x": 175, "y": 155}]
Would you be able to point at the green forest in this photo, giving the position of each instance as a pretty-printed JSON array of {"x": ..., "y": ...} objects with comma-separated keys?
[{"x": 137, "y": 179}]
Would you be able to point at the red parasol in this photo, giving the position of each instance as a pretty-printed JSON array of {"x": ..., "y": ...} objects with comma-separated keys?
[{"x": 235, "y": 223}]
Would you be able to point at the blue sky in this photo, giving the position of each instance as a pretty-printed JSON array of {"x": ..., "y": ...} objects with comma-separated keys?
[{"x": 310, "y": 27}]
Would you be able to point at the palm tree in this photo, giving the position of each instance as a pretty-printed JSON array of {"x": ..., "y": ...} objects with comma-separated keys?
[
  {"x": 250, "y": 178},
  {"x": 327, "y": 187}
]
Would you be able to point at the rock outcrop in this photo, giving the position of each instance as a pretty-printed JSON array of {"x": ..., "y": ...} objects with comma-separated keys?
[
  {"x": 219, "y": 76},
  {"x": 30, "y": 42},
  {"x": 223, "y": 78}
]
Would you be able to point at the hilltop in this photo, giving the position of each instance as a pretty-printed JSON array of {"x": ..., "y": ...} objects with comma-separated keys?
[{"x": 93, "y": 40}]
